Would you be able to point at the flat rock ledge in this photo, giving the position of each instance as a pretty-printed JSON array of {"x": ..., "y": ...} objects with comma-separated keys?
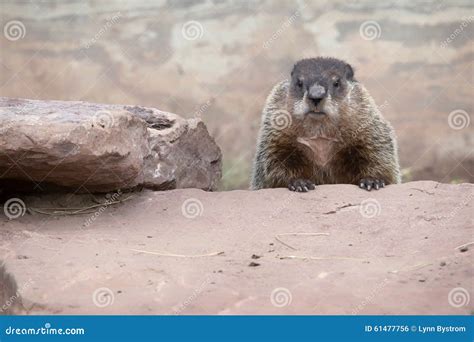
[
  {"x": 88, "y": 147},
  {"x": 404, "y": 249}
]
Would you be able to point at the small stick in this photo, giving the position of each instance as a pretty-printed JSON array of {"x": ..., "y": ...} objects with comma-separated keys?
[
  {"x": 284, "y": 243},
  {"x": 465, "y": 245},
  {"x": 177, "y": 255},
  {"x": 57, "y": 213},
  {"x": 105, "y": 203},
  {"x": 277, "y": 237},
  {"x": 412, "y": 268},
  {"x": 77, "y": 211},
  {"x": 320, "y": 258}
]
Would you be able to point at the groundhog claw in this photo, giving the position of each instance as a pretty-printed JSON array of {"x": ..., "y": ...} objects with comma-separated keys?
[
  {"x": 301, "y": 185},
  {"x": 369, "y": 184}
]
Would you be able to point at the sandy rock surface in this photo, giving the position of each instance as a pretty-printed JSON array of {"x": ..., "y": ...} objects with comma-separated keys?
[{"x": 392, "y": 251}]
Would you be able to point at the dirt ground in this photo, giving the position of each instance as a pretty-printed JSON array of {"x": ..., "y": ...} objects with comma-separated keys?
[{"x": 394, "y": 251}]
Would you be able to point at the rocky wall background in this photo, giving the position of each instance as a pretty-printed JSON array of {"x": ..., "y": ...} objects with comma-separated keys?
[{"x": 219, "y": 59}]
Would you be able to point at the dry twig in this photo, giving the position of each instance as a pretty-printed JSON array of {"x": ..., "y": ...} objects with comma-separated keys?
[
  {"x": 76, "y": 211},
  {"x": 278, "y": 237},
  {"x": 177, "y": 255}
]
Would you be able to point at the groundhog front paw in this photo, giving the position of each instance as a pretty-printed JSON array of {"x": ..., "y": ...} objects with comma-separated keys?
[
  {"x": 301, "y": 185},
  {"x": 369, "y": 184}
]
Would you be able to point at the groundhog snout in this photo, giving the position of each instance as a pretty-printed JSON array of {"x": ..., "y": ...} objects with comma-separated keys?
[{"x": 316, "y": 93}]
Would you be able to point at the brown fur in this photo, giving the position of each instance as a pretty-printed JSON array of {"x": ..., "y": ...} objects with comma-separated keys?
[{"x": 354, "y": 143}]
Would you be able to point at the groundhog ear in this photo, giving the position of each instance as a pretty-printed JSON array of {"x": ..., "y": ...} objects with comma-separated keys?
[{"x": 349, "y": 72}]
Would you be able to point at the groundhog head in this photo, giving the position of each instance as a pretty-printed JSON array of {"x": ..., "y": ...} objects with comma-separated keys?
[{"x": 318, "y": 86}]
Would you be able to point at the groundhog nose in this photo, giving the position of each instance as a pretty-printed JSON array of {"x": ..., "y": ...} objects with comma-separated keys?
[{"x": 316, "y": 93}]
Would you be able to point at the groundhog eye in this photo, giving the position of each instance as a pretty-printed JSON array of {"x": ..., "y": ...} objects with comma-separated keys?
[
  {"x": 299, "y": 83},
  {"x": 336, "y": 84}
]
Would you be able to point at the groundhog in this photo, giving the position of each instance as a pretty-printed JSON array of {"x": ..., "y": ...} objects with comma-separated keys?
[
  {"x": 10, "y": 301},
  {"x": 322, "y": 127}
]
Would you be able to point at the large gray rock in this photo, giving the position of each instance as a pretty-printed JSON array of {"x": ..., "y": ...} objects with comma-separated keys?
[{"x": 87, "y": 147}]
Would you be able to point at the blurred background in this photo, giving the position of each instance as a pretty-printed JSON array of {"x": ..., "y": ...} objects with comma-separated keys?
[{"x": 219, "y": 59}]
